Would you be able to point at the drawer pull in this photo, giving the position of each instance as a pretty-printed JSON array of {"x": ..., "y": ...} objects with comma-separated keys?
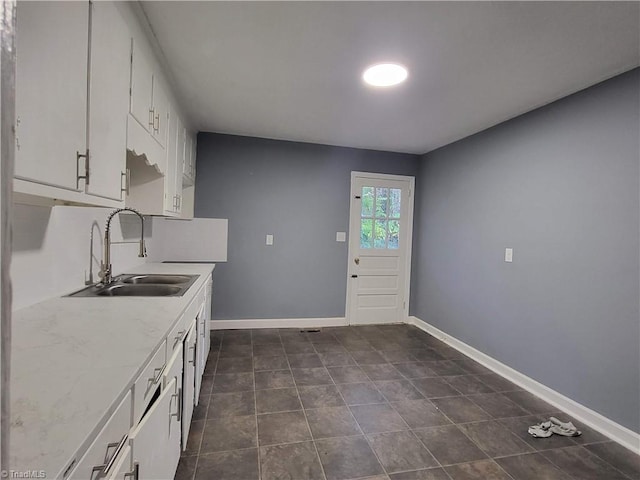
[
  {"x": 153, "y": 380},
  {"x": 177, "y": 338},
  {"x": 109, "y": 461}
]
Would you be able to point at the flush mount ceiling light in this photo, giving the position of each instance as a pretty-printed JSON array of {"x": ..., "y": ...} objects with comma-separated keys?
[{"x": 385, "y": 74}]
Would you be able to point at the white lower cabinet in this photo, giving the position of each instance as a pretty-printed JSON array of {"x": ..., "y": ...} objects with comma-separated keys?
[
  {"x": 143, "y": 438},
  {"x": 107, "y": 445},
  {"x": 200, "y": 359},
  {"x": 122, "y": 469},
  {"x": 188, "y": 383},
  {"x": 155, "y": 450},
  {"x": 147, "y": 382}
]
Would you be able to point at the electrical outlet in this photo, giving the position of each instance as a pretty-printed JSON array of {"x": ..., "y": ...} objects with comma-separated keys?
[
  {"x": 269, "y": 239},
  {"x": 341, "y": 236},
  {"x": 508, "y": 255}
]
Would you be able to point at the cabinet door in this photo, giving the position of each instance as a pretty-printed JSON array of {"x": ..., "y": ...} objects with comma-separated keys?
[
  {"x": 154, "y": 449},
  {"x": 173, "y": 370},
  {"x": 194, "y": 150},
  {"x": 172, "y": 164},
  {"x": 198, "y": 359},
  {"x": 105, "y": 444},
  {"x": 188, "y": 380},
  {"x": 108, "y": 100},
  {"x": 141, "y": 87},
  {"x": 186, "y": 166},
  {"x": 172, "y": 378},
  {"x": 181, "y": 158},
  {"x": 52, "y": 42},
  {"x": 122, "y": 468},
  {"x": 160, "y": 112}
]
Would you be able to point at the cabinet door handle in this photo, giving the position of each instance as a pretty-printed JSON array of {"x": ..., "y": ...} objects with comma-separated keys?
[
  {"x": 84, "y": 177},
  {"x": 151, "y": 112},
  {"x": 193, "y": 360},
  {"x": 103, "y": 469},
  {"x": 135, "y": 473},
  {"x": 177, "y": 338},
  {"x": 151, "y": 381},
  {"x": 178, "y": 413},
  {"x": 127, "y": 181},
  {"x": 156, "y": 120}
]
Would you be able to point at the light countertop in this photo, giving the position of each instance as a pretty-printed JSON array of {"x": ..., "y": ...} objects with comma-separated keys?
[{"x": 74, "y": 358}]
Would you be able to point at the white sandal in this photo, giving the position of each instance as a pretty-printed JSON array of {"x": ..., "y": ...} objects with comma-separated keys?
[
  {"x": 541, "y": 430},
  {"x": 566, "y": 429}
]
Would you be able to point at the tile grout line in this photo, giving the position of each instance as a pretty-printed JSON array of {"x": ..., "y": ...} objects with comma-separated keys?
[
  {"x": 306, "y": 419},
  {"x": 255, "y": 407},
  {"x": 195, "y": 468},
  {"x": 362, "y": 431},
  {"x": 591, "y": 453}
]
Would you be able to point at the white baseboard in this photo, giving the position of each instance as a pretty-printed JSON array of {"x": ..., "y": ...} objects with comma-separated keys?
[
  {"x": 591, "y": 418},
  {"x": 278, "y": 323}
]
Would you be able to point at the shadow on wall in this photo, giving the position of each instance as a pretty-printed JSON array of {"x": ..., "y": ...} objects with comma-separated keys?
[{"x": 30, "y": 224}]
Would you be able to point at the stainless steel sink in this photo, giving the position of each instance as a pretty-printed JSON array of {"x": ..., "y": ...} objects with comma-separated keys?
[
  {"x": 158, "y": 279},
  {"x": 146, "y": 290},
  {"x": 141, "y": 286}
]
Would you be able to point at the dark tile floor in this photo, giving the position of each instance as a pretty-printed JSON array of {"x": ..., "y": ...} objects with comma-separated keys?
[{"x": 375, "y": 402}]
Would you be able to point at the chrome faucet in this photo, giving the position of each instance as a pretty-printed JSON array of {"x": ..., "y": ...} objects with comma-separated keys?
[{"x": 106, "y": 271}]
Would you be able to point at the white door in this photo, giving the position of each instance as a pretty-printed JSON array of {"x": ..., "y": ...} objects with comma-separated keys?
[
  {"x": 200, "y": 344},
  {"x": 154, "y": 449},
  {"x": 108, "y": 99},
  {"x": 52, "y": 42},
  {"x": 380, "y": 227},
  {"x": 188, "y": 381},
  {"x": 122, "y": 469},
  {"x": 172, "y": 164},
  {"x": 141, "y": 88}
]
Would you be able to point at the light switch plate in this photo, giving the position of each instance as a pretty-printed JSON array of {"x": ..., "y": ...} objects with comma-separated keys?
[
  {"x": 269, "y": 239},
  {"x": 508, "y": 255},
  {"x": 341, "y": 236}
]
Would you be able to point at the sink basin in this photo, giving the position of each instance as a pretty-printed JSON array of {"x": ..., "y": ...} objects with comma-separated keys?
[
  {"x": 157, "y": 279},
  {"x": 145, "y": 290},
  {"x": 141, "y": 286}
]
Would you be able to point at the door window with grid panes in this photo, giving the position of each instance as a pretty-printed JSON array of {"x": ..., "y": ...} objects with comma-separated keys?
[{"x": 380, "y": 218}]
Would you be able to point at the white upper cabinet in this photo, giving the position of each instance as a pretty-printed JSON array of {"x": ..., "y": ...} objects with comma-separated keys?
[
  {"x": 71, "y": 102},
  {"x": 109, "y": 100},
  {"x": 52, "y": 45},
  {"x": 189, "y": 164},
  {"x": 170, "y": 201},
  {"x": 142, "y": 88},
  {"x": 160, "y": 112},
  {"x": 96, "y": 121},
  {"x": 149, "y": 108}
]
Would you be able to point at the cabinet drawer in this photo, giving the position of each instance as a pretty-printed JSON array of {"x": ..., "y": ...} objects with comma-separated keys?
[
  {"x": 150, "y": 378},
  {"x": 105, "y": 446}
]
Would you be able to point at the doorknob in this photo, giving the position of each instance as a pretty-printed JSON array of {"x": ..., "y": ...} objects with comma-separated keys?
[{"x": 356, "y": 261}]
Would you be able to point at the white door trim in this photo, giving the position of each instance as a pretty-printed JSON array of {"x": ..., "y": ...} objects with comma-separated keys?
[{"x": 409, "y": 238}]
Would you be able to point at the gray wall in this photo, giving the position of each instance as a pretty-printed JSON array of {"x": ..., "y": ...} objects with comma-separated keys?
[
  {"x": 299, "y": 193},
  {"x": 561, "y": 186}
]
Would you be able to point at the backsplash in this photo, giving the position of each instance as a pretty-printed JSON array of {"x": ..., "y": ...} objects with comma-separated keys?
[
  {"x": 52, "y": 249},
  {"x": 53, "y": 255}
]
